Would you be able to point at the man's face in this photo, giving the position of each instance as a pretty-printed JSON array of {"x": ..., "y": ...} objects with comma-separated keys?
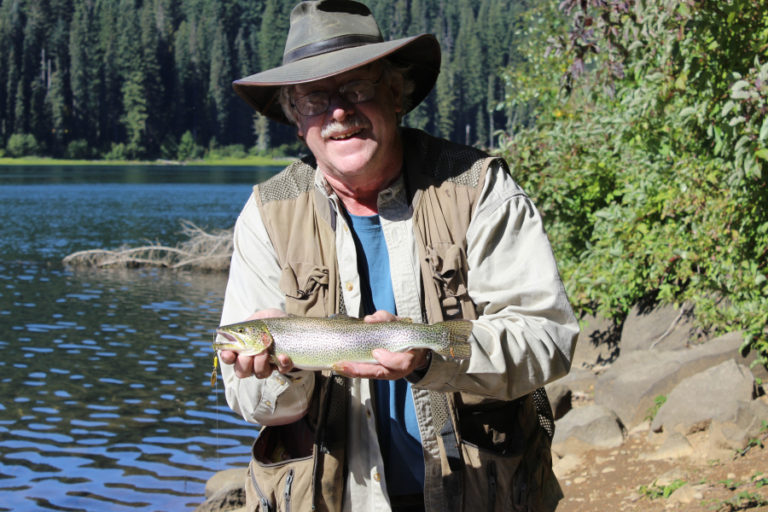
[{"x": 355, "y": 144}]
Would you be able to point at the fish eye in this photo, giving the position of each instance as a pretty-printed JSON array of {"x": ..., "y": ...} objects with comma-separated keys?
[{"x": 241, "y": 330}]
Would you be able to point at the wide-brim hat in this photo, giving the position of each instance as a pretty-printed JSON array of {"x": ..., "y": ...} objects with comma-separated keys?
[{"x": 329, "y": 37}]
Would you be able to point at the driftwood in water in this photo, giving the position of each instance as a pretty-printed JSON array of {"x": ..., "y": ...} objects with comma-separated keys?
[{"x": 202, "y": 250}]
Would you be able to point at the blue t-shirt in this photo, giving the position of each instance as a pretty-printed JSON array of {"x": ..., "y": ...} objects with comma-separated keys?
[{"x": 399, "y": 436}]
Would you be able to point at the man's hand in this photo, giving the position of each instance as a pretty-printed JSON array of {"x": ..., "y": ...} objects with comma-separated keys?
[
  {"x": 261, "y": 364},
  {"x": 391, "y": 365}
]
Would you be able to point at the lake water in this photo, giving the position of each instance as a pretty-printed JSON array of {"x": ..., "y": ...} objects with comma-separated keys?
[{"x": 104, "y": 375}]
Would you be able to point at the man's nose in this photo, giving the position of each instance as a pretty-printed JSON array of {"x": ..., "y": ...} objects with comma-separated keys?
[{"x": 340, "y": 107}]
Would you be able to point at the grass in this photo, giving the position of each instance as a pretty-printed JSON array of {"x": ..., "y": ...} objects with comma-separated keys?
[
  {"x": 654, "y": 491},
  {"x": 657, "y": 403},
  {"x": 253, "y": 161}
]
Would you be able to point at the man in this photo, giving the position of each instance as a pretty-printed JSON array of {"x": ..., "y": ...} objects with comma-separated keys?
[{"x": 386, "y": 222}]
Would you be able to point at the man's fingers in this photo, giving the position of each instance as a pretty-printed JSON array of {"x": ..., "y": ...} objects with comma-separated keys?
[
  {"x": 227, "y": 356},
  {"x": 267, "y": 313},
  {"x": 284, "y": 363},
  {"x": 243, "y": 366},
  {"x": 380, "y": 316}
]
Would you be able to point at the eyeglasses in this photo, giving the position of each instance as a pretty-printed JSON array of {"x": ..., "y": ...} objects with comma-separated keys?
[{"x": 317, "y": 102}]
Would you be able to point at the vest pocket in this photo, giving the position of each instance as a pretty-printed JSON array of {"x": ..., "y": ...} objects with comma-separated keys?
[
  {"x": 304, "y": 286},
  {"x": 280, "y": 473},
  {"x": 448, "y": 263},
  {"x": 489, "y": 480},
  {"x": 507, "y": 455}
]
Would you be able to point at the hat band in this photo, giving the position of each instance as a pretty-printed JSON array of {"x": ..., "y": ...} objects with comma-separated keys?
[{"x": 329, "y": 45}]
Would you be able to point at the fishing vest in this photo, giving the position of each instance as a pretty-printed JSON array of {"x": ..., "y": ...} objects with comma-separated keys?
[{"x": 495, "y": 455}]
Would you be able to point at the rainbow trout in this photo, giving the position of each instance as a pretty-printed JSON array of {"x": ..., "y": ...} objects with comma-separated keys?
[{"x": 320, "y": 343}]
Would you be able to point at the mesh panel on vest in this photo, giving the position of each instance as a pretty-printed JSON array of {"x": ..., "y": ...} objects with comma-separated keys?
[
  {"x": 451, "y": 160},
  {"x": 439, "y": 406},
  {"x": 296, "y": 179},
  {"x": 544, "y": 412}
]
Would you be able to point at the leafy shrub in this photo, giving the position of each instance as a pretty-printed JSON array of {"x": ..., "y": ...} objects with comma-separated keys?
[
  {"x": 188, "y": 149},
  {"x": 650, "y": 170},
  {"x": 78, "y": 149},
  {"x": 118, "y": 151},
  {"x": 22, "y": 144}
]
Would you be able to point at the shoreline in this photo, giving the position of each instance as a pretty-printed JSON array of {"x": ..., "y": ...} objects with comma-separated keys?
[{"x": 252, "y": 161}]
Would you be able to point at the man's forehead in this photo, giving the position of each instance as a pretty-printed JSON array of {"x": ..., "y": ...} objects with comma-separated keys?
[{"x": 341, "y": 78}]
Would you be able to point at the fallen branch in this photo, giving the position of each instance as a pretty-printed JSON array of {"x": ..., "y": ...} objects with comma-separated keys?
[{"x": 202, "y": 251}]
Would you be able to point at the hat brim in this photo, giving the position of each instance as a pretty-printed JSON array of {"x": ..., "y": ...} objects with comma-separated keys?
[{"x": 421, "y": 52}]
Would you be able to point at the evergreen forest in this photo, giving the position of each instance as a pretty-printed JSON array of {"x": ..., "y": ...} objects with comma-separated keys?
[
  {"x": 638, "y": 127},
  {"x": 152, "y": 78}
]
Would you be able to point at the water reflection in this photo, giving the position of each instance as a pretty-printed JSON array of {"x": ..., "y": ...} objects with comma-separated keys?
[{"x": 105, "y": 384}]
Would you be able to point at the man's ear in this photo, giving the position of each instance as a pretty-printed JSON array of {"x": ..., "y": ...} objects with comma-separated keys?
[{"x": 396, "y": 88}]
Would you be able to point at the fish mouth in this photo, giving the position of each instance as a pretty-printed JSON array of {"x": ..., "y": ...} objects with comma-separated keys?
[
  {"x": 227, "y": 336},
  {"x": 231, "y": 343}
]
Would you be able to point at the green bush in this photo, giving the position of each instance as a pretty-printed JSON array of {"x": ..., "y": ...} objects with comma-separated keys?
[
  {"x": 118, "y": 151},
  {"x": 188, "y": 149},
  {"x": 22, "y": 144},
  {"x": 78, "y": 149},
  {"x": 650, "y": 168}
]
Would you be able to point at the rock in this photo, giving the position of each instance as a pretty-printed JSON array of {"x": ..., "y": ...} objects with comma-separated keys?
[
  {"x": 710, "y": 395},
  {"x": 674, "y": 446},
  {"x": 662, "y": 328},
  {"x": 585, "y": 428},
  {"x": 229, "y": 498},
  {"x": 598, "y": 342},
  {"x": 687, "y": 494},
  {"x": 631, "y": 384},
  {"x": 225, "y": 478},
  {"x": 559, "y": 398},
  {"x": 579, "y": 380},
  {"x": 225, "y": 491},
  {"x": 736, "y": 435},
  {"x": 669, "y": 477},
  {"x": 565, "y": 465}
]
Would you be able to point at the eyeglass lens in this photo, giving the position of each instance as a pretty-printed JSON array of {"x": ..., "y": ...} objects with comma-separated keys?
[{"x": 318, "y": 102}]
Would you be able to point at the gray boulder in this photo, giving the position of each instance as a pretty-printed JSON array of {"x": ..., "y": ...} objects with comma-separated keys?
[
  {"x": 598, "y": 343},
  {"x": 631, "y": 384},
  {"x": 662, "y": 328},
  {"x": 228, "y": 499},
  {"x": 559, "y": 399},
  {"x": 737, "y": 433},
  {"x": 709, "y": 395},
  {"x": 225, "y": 491},
  {"x": 225, "y": 478},
  {"x": 587, "y": 427}
]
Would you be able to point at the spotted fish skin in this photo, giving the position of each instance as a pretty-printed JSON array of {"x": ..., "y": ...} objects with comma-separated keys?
[{"x": 320, "y": 343}]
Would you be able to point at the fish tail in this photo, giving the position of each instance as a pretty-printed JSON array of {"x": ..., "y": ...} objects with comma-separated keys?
[{"x": 458, "y": 339}]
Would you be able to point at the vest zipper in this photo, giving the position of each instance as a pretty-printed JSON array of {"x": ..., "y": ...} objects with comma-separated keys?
[
  {"x": 492, "y": 486},
  {"x": 265, "y": 504},
  {"x": 287, "y": 492}
]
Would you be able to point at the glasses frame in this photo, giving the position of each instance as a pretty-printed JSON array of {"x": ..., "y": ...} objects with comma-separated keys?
[{"x": 340, "y": 91}]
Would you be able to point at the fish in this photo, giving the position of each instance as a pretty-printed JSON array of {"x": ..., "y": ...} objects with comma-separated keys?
[{"x": 322, "y": 343}]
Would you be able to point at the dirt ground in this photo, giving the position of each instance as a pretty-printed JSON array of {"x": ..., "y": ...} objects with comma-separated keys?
[{"x": 621, "y": 479}]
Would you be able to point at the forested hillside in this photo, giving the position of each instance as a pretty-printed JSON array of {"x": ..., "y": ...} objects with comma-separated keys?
[{"x": 128, "y": 78}]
